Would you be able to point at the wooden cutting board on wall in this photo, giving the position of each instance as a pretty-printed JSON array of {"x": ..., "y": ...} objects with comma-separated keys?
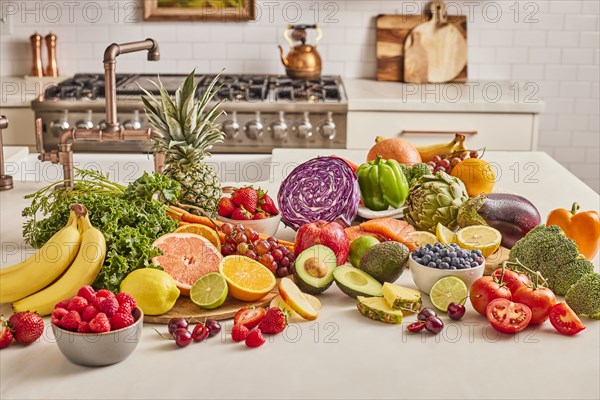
[{"x": 392, "y": 32}]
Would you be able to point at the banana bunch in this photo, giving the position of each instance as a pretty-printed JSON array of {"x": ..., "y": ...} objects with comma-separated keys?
[
  {"x": 427, "y": 153},
  {"x": 81, "y": 270}
]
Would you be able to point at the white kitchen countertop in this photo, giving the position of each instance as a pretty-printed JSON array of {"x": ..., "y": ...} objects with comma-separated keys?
[
  {"x": 342, "y": 354},
  {"x": 472, "y": 96}
]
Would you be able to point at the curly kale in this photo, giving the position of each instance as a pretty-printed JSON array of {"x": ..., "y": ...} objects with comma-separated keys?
[
  {"x": 546, "y": 249},
  {"x": 584, "y": 296}
]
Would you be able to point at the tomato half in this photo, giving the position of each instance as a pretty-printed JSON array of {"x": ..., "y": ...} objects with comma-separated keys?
[
  {"x": 486, "y": 289},
  {"x": 540, "y": 301},
  {"x": 564, "y": 320},
  {"x": 512, "y": 279},
  {"x": 508, "y": 317}
]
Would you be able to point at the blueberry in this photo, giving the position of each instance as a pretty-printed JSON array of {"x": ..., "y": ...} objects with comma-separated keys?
[
  {"x": 426, "y": 259},
  {"x": 429, "y": 246},
  {"x": 445, "y": 265},
  {"x": 452, "y": 254},
  {"x": 419, "y": 261},
  {"x": 452, "y": 267},
  {"x": 438, "y": 261},
  {"x": 444, "y": 252},
  {"x": 474, "y": 265},
  {"x": 477, "y": 252},
  {"x": 460, "y": 253},
  {"x": 455, "y": 261},
  {"x": 435, "y": 250},
  {"x": 432, "y": 265},
  {"x": 479, "y": 260},
  {"x": 439, "y": 245},
  {"x": 446, "y": 259}
]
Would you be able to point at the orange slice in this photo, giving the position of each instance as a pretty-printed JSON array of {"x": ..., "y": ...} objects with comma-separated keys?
[
  {"x": 203, "y": 231},
  {"x": 248, "y": 280}
]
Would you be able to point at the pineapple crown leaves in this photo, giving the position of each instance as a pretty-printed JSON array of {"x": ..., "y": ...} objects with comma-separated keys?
[{"x": 189, "y": 129}]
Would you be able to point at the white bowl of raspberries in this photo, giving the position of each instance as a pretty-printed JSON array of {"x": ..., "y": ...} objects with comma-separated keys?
[
  {"x": 252, "y": 208},
  {"x": 97, "y": 328}
]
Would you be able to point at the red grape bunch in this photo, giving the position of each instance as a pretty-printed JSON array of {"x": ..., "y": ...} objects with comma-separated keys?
[
  {"x": 246, "y": 242},
  {"x": 447, "y": 162}
]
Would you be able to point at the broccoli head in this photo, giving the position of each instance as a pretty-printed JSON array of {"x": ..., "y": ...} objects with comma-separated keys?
[
  {"x": 406, "y": 171},
  {"x": 584, "y": 296},
  {"x": 546, "y": 249},
  {"x": 418, "y": 170}
]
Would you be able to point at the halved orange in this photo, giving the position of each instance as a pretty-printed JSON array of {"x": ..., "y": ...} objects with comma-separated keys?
[
  {"x": 203, "y": 231},
  {"x": 248, "y": 280}
]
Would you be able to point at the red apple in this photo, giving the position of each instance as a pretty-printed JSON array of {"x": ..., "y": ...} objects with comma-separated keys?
[{"x": 330, "y": 234}]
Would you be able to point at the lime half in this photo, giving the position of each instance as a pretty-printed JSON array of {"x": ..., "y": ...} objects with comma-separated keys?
[
  {"x": 209, "y": 291},
  {"x": 445, "y": 235},
  {"x": 447, "y": 290}
]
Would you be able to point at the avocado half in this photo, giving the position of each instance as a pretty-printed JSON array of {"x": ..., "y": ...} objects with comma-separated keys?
[
  {"x": 314, "y": 269},
  {"x": 354, "y": 282}
]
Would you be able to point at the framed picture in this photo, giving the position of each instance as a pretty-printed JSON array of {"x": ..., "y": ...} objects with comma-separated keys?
[{"x": 199, "y": 10}]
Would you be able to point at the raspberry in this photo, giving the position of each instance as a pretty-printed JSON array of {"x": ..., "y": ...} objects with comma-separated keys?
[
  {"x": 239, "y": 333},
  {"x": 62, "y": 304},
  {"x": 100, "y": 323},
  {"x": 84, "y": 327},
  {"x": 123, "y": 298},
  {"x": 71, "y": 321},
  {"x": 97, "y": 301},
  {"x": 255, "y": 339},
  {"x": 109, "y": 306},
  {"x": 104, "y": 293},
  {"x": 88, "y": 293},
  {"x": 89, "y": 313},
  {"x": 119, "y": 321},
  {"x": 77, "y": 304},
  {"x": 57, "y": 315},
  {"x": 124, "y": 308}
]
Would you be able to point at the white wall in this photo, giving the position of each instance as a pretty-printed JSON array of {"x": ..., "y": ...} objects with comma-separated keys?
[{"x": 553, "y": 43}]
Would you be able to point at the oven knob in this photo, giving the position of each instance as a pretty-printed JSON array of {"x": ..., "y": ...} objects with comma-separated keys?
[
  {"x": 304, "y": 128},
  {"x": 231, "y": 127},
  {"x": 279, "y": 129},
  {"x": 134, "y": 123},
  {"x": 254, "y": 129},
  {"x": 327, "y": 128},
  {"x": 59, "y": 125},
  {"x": 102, "y": 124},
  {"x": 85, "y": 123}
]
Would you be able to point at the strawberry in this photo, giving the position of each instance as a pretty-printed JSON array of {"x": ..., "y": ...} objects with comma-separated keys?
[
  {"x": 6, "y": 335},
  {"x": 241, "y": 214},
  {"x": 226, "y": 207},
  {"x": 89, "y": 313},
  {"x": 77, "y": 303},
  {"x": 126, "y": 298},
  {"x": 119, "y": 321},
  {"x": 100, "y": 323},
  {"x": 70, "y": 321},
  {"x": 255, "y": 339},
  {"x": 27, "y": 326},
  {"x": 267, "y": 204},
  {"x": 57, "y": 315},
  {"x": 239, "y": 333},
  {"x": 274, "y": 321},
  {"x": 84, "y": 327},
  {"x": 250, "y": 317},
  {"x": 109, "y": 306},
  {"x": 88, "y": 293},
  {"x": 260, "y": 215},
  {"x": 246, "y": 197},
  {"x": 104, "y": 293}
]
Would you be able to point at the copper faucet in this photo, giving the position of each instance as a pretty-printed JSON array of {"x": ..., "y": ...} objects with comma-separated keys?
[
  {"x": 6, "y": 181},
  {"x": 113, "y": 130}
]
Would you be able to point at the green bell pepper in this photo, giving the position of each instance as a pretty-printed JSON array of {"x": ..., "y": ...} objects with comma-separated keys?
[{"x": 382, "y": 184}]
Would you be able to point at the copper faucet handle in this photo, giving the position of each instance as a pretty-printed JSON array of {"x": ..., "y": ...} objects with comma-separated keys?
[
  {"x": 6, "y": 181},
  {"x": 39, "y": 139}
]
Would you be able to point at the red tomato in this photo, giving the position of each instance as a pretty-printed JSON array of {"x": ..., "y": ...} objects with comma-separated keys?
[
  {"x": 512, "y": 279},
  {"x": 508, "y": 317},
  {"x": 539, "y": 300},
  {"x": 564, "y": 320},
  {"x": 486, "y": 289},
  {"x": 250, "y": 317}
]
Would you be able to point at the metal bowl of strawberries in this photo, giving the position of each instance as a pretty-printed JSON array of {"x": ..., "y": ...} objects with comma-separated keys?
[
  {"x": 102, "y": 339},
  {"x": 250, "y": 207}
]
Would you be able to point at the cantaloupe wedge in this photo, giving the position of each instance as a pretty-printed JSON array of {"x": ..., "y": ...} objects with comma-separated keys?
[
  {"x": 291, "y": 294},
  {"x": 392, "y": 229}
]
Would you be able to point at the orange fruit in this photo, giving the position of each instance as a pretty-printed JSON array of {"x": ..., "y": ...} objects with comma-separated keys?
[
  {"x": 397, "y": 149},
  {"x": 201, "y": 230},
  {"x": 248, "y": 280},
  {"x": 477, "y": 175},
  {"x": 186, "y": 257}
]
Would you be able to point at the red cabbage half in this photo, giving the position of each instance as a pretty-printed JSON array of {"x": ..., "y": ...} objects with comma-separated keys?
[{"x": 321, "y": 189}]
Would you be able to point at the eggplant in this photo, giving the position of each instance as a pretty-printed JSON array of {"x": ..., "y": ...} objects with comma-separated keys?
[{"x": 510, "y": 214}]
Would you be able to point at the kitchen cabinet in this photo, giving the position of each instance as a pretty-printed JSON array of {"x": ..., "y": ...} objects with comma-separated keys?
[{"x": 21, "y": 126}]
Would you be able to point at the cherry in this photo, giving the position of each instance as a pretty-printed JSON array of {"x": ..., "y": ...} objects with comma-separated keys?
[
  {"x": 416, "y": 326},
  {"x": 456, "y": 311},
  {"x": 213, "y": 326},
  {"x": 176, "y": 323},
  {"x": 425, "y": 313},
  {"x": 183, "y": 337},
  {"x": 433, "y": 324},
  {"x": 200, "y": 333}
]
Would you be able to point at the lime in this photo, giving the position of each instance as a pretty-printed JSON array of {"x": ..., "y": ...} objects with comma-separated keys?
[
  {"x": 359, "y": 247},
  {"x": 481, "y": 237},
  {"x": 209, "y": 291},
  {"x": 154, "y": 290},
  {"x": 422, "y": 238},
  {"x": 445, "y": 235},
  {"x": 447, "y": 290}
]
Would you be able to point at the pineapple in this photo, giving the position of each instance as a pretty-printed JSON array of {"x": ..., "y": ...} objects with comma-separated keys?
[{"x": 189, "y": 131}]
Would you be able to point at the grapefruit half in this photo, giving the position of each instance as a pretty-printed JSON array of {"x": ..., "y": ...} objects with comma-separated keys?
[{"x": 186, "y": 257}]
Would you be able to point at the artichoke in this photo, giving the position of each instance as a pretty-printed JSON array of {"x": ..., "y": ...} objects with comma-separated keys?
[{"x": 435, "y": 199}]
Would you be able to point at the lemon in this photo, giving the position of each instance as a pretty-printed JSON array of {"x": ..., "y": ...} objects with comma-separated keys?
[
  {"x": 154, "y": 290},
  {"x": 447, "y": 290},
  {"x": 444, "y": 235},
  {"x": 481, "y": 237},
  {"x": 209, "y": 291},
  {"x": 422, "y": 238}
]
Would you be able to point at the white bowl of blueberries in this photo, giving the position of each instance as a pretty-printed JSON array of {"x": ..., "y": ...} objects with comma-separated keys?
[{"x": 431, "y": 263}]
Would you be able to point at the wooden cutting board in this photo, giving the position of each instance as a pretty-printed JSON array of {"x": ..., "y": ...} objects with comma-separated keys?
[
  {"x": 186, "y": 309},
  {"x": 434, "y": 51},
  {"x": 392, "y": 31},
  {"x": 495, "y": 261}
]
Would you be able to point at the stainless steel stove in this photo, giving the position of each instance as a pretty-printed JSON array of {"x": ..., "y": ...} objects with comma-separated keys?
[{"x": 263, "y": 111}]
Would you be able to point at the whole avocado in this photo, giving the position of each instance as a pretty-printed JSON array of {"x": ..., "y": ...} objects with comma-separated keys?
[{"x": 385, "y": 261}]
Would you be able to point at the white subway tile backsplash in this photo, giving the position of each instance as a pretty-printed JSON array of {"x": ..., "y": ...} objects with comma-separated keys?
[
  {"x": 527, "y": 71},
  {"x": 553, "y": 138},
  {"x": 565, "y": 6},
  {"x": 592, "y": 155},
  {"x": 244, "y": 51},
  {"x": 209, "y": 51},
  {"x": 563, "y": 39},
  {"x": 581, "y": 22},
  {"x": 574, "y": 89},
  {"x": 544, "y": 56},
  {"x": 587, "y": 106},
  {"x": 511, "y": 55},
  {"x": 497, "y": 38},
  {"x": 572, "y": 122},
  {"x": 577, "y": 56},
  {"x": 590, "y": 7},
  {"x": 590, "y": 39},
  {"x": 559, "y": 105},
  {"x": 561, "y": 72},
  {"x": 589, "y": 138},
  {"x": 530, "y": 38},
  {"x": 548, "y": 22},
  {"x": 573, "y": 154}
]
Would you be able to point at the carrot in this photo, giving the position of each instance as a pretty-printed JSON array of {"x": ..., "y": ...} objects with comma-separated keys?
[
  {"x": 350, "y": 163},
  {"x": 191, "y": 218}
]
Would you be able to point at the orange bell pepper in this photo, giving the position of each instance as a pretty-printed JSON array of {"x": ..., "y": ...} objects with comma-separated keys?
[{"x": 583, "y": 228}]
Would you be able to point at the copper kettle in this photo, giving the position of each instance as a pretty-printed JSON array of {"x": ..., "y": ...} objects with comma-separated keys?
[{"x": 303, "y": 61}]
